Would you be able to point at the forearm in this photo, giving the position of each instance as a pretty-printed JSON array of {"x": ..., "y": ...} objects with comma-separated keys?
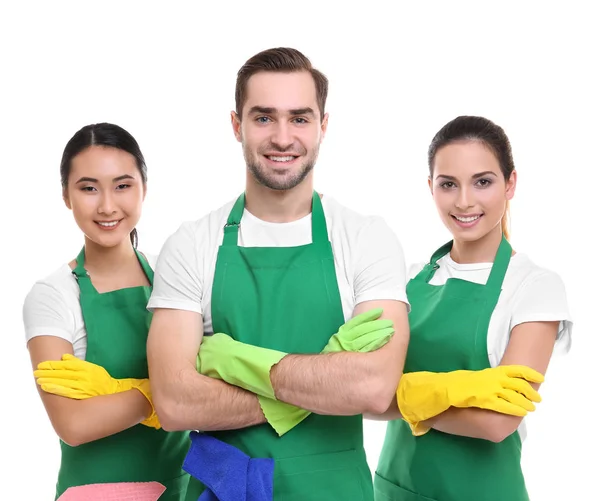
[
  {"x": 341, "y": 384},
  {"x": 475, "y": 423},
  {"x": 78, "y": 422},
  {"x": 347, "y": 383},
  {"x": 196, "y": 402}
]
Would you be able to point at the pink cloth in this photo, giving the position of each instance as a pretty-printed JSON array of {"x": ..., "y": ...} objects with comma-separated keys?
[{"x": 123, "y": 491}]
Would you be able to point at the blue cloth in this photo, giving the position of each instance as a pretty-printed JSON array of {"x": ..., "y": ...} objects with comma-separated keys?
[{"x": 228, "y": 473}]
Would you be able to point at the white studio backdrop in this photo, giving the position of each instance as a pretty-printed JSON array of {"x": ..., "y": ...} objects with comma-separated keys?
[{"x": 397, "y": 71}]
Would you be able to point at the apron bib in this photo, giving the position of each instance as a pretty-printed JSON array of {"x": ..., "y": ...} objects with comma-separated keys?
[
  {"x": 448, "y": 330},
  {"x": 117, "y": 326},
  {"x": 287, "y": 298}
]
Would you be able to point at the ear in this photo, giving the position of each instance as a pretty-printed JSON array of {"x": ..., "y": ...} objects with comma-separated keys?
[
  {"x": 66, "y": 199},
  {"x": 144, "y": 192},
  {"x": 324, "y": 125},
  {"x": 430, "y": 184},
  {"x": 236, "y": 123},
  {"x": 511, "y": 185}
]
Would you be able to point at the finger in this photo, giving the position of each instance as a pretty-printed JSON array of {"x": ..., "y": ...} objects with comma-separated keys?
[
  {"x": 373, "y": 340},
  {"x": 58, "y": 374},
  {"x": 62, "y": 391},
  {"x": 523, "y": 387},
  {"x": 505, "y": 407},
  {"x": 516, "y": 399},
  {"x": 65, "y": 383},
  {"x": 74, "y": 365},
  {"x": 523, "y": 372},
  {"x": 364, "y": 317},
  {"x": 372, "y": 325}
]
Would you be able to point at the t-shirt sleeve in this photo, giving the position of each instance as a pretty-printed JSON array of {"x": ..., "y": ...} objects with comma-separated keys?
[
  {"x": 46, "y": 313},
  {"x": 380, "y": 267},
  {"x": 544, "y": 299},
  {"x": 177, "y": 278}
]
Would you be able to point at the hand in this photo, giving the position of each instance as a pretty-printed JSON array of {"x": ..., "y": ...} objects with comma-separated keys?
[
  {"x": 78, "y": 379},
  {"x": 240, "y": 364},
  {"x": 362, "y": 333},
  {"x": 504, "y": 389}
]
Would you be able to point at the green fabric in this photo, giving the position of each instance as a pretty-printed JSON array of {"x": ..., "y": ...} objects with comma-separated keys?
[
  {"x": 249, "y": 366},
  {"x": 448, "y": 327},
  {"x": 117, "y": 326},
  {"x": 287, "y": 299}
]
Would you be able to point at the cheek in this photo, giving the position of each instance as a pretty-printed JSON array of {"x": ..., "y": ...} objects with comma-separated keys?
[
  {"x": 442, "y": 199},
  {"x": 493, "y": 198}
]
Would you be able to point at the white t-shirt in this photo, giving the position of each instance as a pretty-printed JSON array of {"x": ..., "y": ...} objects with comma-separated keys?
[
  {"x": 52, "y": 308},
  {"x": 530, "y": 293},
  {"x": 369, "y": 260}
]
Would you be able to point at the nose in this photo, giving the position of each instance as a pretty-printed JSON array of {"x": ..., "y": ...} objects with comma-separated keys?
[
  {"x": 464, "y": 199},
  {"x": 107, "y": 203},
  {"x": 282, "y": 136}
]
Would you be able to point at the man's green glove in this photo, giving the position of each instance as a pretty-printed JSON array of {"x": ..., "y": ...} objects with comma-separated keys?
[
  {"x": 239, "y": 364},
  {"x": 363, "y": 333}
]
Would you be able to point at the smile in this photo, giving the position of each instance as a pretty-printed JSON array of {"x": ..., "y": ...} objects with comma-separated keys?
[
  {"x": 281, "y": 159},
  {"x": 467, "y": 219},
  {"x": 109, "y": 225}
]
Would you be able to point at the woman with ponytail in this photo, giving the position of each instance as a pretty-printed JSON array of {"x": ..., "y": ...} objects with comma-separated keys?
[
  {"x": 86, "y": 326},
  {"x": 484, "y": 322}
]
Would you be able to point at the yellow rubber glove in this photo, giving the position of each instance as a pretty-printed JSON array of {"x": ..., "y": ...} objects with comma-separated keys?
[
  {"x": 504, "y": 389},
  {"x": 71, "y": 377}
]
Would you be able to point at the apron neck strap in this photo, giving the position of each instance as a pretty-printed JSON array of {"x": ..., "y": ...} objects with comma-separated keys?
[
  {"x": 82, "y": 275},
  {"x": 79, "y": 270},
  {"x": 501, "y": 262},
  {"x": 318, "y": 222}
]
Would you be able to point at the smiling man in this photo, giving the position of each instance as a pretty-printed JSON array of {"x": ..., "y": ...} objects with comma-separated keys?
[{"x": 274, "y": 314}]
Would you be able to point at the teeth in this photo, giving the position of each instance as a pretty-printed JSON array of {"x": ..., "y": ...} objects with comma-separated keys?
[
  {"x": 281, "y": 159},
  {"x": 112, "y": 223},
  {"x": 466, "y": 219}
]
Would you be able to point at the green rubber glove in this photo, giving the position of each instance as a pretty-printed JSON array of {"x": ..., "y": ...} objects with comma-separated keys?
[
  {"x": 239, "y": 364},
  {"x": 362, "y": 333}
]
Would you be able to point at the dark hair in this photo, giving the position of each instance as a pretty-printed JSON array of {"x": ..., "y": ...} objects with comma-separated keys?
[
  {"x": 102, "y": 134},
  {"x": 473, "y": 128},
  {"x": 282, "y": 60}
]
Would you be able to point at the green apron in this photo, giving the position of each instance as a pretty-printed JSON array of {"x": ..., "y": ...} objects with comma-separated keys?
[
  {"x": 448, "y": 331},
  {"x": 287, "y": 298},
  {"x": 117, "y": 326}
]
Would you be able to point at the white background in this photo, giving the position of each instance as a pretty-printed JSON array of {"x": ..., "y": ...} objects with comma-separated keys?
[{"x": 398, "y": 72}]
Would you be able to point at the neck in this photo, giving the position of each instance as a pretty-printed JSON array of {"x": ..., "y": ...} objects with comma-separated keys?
[
  {"x": 279, "y": 206},
  {"x": 108, "y": 260},
  {"x": 480, "y": 251}
]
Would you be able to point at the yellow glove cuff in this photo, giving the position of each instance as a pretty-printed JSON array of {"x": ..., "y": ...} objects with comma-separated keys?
[{"x": 143, "y": 385}]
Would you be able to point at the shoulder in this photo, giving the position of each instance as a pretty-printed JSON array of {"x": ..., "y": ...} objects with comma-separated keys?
[
  {"x": 524, "y": 273},
  {"x": 354, "y": 224},
  {"x": 415, "y": 268},
  {"x": 202, "y": 229},
  {"x": 58, "y": 291}
]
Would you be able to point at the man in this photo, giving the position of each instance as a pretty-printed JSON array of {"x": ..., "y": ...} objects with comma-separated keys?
[{"x": 281, "y": 269}]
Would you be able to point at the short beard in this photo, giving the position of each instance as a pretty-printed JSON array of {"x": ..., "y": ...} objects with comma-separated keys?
[{"x": 279, "y": 183}]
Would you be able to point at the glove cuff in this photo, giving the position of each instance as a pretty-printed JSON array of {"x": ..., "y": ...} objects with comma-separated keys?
[{"x": 143, "y": 386}]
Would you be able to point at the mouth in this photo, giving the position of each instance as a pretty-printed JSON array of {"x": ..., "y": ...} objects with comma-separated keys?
[
  {"x": 467, "y": 220},
  {"x": 108, "y": 225},
  {"x": 281, "y": 160}
]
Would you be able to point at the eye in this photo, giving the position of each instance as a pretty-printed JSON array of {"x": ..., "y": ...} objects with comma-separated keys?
[
  {"x": 447, "y": 185},
  {"x": 89, "y": 189},
  {"x": 300, "y": 120},
  {"x": 123, "y": 186},
  {"x": 262, "y": 120},
  {"x": 483, "y": 183}
]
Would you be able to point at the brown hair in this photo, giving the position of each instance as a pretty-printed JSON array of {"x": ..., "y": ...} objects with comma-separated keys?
[
  {"x": 284, "y": 60},
  {"x": 477, "y": 129}
]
